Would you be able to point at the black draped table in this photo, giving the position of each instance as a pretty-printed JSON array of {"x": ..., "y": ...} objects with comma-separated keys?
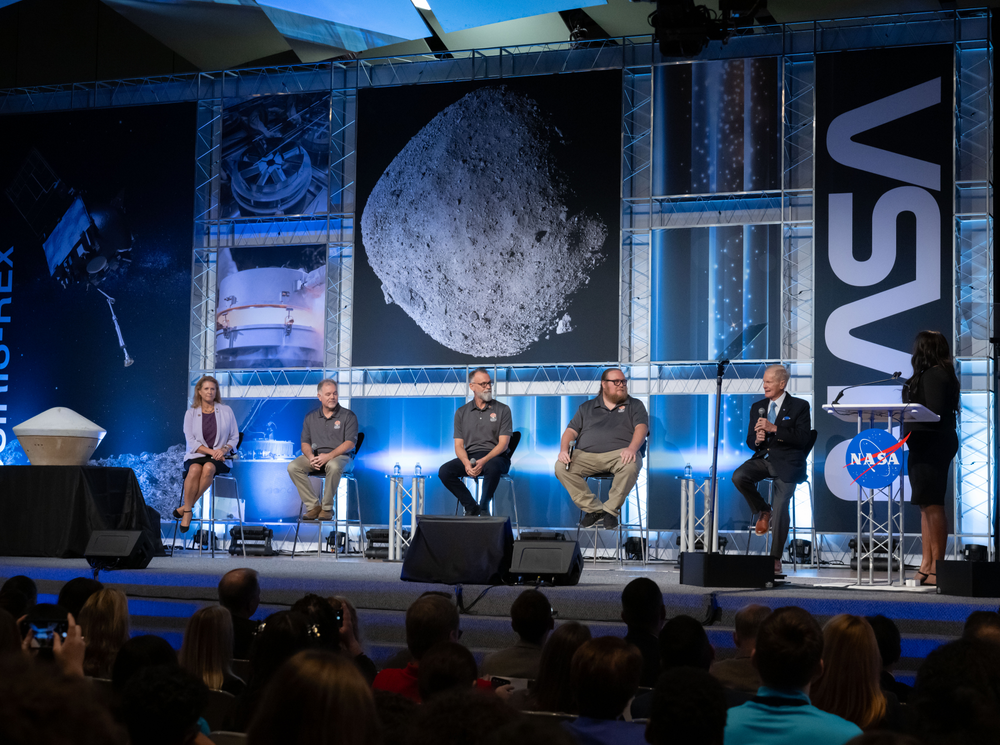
[{"x": 51, "y": 510}]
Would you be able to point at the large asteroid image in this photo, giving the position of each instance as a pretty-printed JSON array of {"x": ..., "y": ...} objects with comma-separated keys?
[{"x": 470, "y": 228}]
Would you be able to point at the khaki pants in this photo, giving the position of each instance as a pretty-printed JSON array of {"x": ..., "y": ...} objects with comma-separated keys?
[
  {"x": 299, "y": 470},
  {"x": 588, "y": 464}
]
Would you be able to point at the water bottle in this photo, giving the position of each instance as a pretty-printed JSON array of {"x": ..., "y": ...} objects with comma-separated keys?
[
  {"x": 396, "y": 470},
  {"x": 417, "y": 471},
  {"x": 687, "y": 471}
]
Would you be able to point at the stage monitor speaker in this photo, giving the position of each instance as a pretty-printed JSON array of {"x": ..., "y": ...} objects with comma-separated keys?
[
  {"x": 119, "y": 549},
  {"x": 726, "y": 570},
  {"x": 557, "y": 562},
  {"x": 459, "y": 550},
  {"x": 969, "y": 579}
]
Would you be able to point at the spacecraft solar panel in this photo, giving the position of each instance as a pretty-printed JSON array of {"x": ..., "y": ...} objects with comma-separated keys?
[{"x": 66, "y": 234}]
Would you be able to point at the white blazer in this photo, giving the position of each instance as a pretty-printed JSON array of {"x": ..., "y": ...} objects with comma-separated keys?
[{"x": 227, "y": 436}]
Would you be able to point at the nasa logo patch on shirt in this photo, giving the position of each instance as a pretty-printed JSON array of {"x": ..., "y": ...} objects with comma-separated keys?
[
  {"x": 336, "y": 424},
  {"x": 621, "y": 409},
  {"x": 493, "y": 417}
]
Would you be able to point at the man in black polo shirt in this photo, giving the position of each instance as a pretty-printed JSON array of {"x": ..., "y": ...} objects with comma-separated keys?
[
  {"x": 609, "y": 430},
  {"x": 328, "y": 437},
  {"x": 482, "y": 431}
]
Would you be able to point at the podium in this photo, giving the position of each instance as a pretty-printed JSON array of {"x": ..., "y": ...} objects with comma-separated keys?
[{"x": 881, "y": 534}]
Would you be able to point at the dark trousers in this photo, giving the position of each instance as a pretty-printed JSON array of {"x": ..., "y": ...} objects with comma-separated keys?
[
  {"x": 746, "y": 478},
  {"x": 452, "y": 472}
]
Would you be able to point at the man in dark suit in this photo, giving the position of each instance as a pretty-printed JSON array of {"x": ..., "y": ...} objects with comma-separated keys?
[{"x": 779, "y": 436}]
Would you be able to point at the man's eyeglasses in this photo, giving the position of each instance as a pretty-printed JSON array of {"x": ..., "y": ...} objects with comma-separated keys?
[
  {"x": 487, "y": 384},
  {"x": 620, "y": 382}
]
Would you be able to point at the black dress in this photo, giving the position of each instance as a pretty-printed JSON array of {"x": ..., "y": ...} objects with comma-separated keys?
[{"x": 932, "y": 445}]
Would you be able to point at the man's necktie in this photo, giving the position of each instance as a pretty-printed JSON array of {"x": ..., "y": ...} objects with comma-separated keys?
[{"x": 772, "y": 413}]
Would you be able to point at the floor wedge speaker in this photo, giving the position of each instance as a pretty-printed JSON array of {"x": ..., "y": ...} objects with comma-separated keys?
[
  {"x": 726, "y": 570},
  {"x": 555, "y": 562},
  {"x": 459, "y": 550},
  {"x": 969, "y": 579},
  {"x": 119, "y": 549}
]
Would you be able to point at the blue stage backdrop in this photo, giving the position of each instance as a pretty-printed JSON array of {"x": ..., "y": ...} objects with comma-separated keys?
[{"x": 97, "y": 204}]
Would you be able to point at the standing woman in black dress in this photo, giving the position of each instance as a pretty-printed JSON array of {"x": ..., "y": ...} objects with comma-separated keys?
[{"x": 932, "y": 445}]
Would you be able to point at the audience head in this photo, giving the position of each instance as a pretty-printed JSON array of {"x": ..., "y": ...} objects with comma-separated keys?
[
  {"x": 207, "y": 650},
  {"x": 789, "y": 650},
  {"x": 956, "y": 697},
  {"x": 137, "y": 654},
  {"x": 525, "y": 731},
  {"x": 24, "y": 585},
  {"x": 14, "y": 602},
  {"x": 395, "y": 715},
  {"x": 316, "y": 697},
  {"x": 446, "y": 666},
  {"x": 642, "y": 605},
  {"x": 982, "y": 624},
  {"x": 281, "y": 636},
  {"x": 161, "y": 705},
  {"x": 459, "y": 718},
  {"x": 76, "y": 592},
  {"x": 887, "y": 636},
  {"x": 689, "y": 705},
  {"x": 430, "y": 620},
  {"x": 850, "y": 684},
  {"x": 323, "y": 616},
  {"x": 604, "y": 675},
  {"x": 104, "y": 621},
  {"x": 39, "y": 706},
  {"x": 531, "y": 616},
  {"x": 747, "y": 623},
  {"x": 684, "y": 643},
  {"x": 552, "y": 689},
  {"x": 239, "y": 592},
  {"x": 10, "y": 635}
]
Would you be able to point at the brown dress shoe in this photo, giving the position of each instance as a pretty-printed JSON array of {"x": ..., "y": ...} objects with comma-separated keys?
[
  {"x": 763, "y": 524},
  {"x": 325, "y": 515},
  {"x": 312, "y": 513}
]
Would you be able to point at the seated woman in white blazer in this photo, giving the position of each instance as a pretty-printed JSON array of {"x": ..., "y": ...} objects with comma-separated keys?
[{"x": 211, "y": 434}]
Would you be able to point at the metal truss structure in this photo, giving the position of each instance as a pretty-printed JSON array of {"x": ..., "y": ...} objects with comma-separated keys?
[{"x": 795, "y": 46}]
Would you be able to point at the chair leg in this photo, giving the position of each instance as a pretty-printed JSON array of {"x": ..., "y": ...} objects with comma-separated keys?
[
  {"x": 211, "y": 520},
  {"x": 361, "y": 524},
  {"x": 813, "y": 550},
  {"x": 513, "y": 499},
  {"x": 298, "y": 523},
  {"x": 173, "y": 543},
  {"x": 794, "y": 547},
  {"x": 239, "y": 514}
]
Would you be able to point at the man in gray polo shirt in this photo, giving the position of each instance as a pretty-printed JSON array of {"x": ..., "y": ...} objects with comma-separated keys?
[
  {"x": 609, "y": 431},
  {"x": 482, "y": 431},
  {"x": 328, "y": 437}
]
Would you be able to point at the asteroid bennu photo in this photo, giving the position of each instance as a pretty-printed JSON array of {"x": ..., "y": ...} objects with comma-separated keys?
[{"x": 470, "y": 228}]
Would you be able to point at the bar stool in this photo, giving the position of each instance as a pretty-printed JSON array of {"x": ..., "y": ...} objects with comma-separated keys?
[
  {"x": 351, "y": 479},
  {"x": 624, "y": 524},
  {"x": 515, "y": 440},
  {"x": 233, "y": 484}
]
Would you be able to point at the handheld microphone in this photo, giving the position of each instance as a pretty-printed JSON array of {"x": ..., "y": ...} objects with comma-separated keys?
[
  {"x": 572, "y": 447},
  {"x": 472, "y": 462},
  {"x": 840, "y": 395},
  {"x": 760, "y": 411}
]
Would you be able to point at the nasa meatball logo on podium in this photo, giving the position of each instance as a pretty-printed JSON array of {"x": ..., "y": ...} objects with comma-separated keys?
[{"x": 875, "y": 458}]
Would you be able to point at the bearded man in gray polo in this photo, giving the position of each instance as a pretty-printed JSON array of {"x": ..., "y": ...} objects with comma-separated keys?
[{"x": 609, "y": 431}]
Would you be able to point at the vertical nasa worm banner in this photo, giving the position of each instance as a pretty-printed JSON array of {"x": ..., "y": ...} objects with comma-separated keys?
[{"x": 884, "y": 214}]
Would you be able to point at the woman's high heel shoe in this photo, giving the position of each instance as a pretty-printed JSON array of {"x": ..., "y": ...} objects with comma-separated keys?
[
  {"x": 184, "y": 528},
  {"x": 922, "y": 577}
]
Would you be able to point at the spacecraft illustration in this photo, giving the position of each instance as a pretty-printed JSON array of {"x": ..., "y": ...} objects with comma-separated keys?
[
  {"x": 84, "y": 239},
  {"x": 275, "y": 155},
  {"x": 268, "y": 316}
]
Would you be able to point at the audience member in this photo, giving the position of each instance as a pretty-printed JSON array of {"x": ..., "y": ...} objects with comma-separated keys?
[
  {"x": 883, "y": 737},
  {"x": 207, "y": 649},
  {"x": 644, "y": 613},
  {"x": 789, "y": 657},
  {"x": 162, "y": 705},
  {"x": 395, "y": 715},
  {"x": 104, "y": 620},
  {"x": 956, "y": 698},
  {"x": 24, "y": 585},
  {"x": 528, "y": 730},
  {"x": 445, "y": 667},
  {"x": 890, "y": 649},
  {"x": 459, "y": 718},
  {"x": 689, "y": 706},
  {"x": 76, "y": 592},
  {"x": 10, "y": 635},
  {"x": 239, "y": 593},
  {"x": 849, "y": 686},
  {"x": 40, "y": 706},
  {"x": 138, "y": 653},
  {"x": 402, "y": 658},
  {"x": 604, "y": 676},
  {"x": 279, "y": 637},
  {"x": 333, "y": 634},
  {"x": 430, "y": 620},
  {"x": 14, "y": 602},
  {"x": 552, "y": 691},
  {"x": 531, "y": 619},
  {"x": 982, "y": 624},
  {"x": 318, "y": 697},
  {"x": 738, "y": 672}
]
